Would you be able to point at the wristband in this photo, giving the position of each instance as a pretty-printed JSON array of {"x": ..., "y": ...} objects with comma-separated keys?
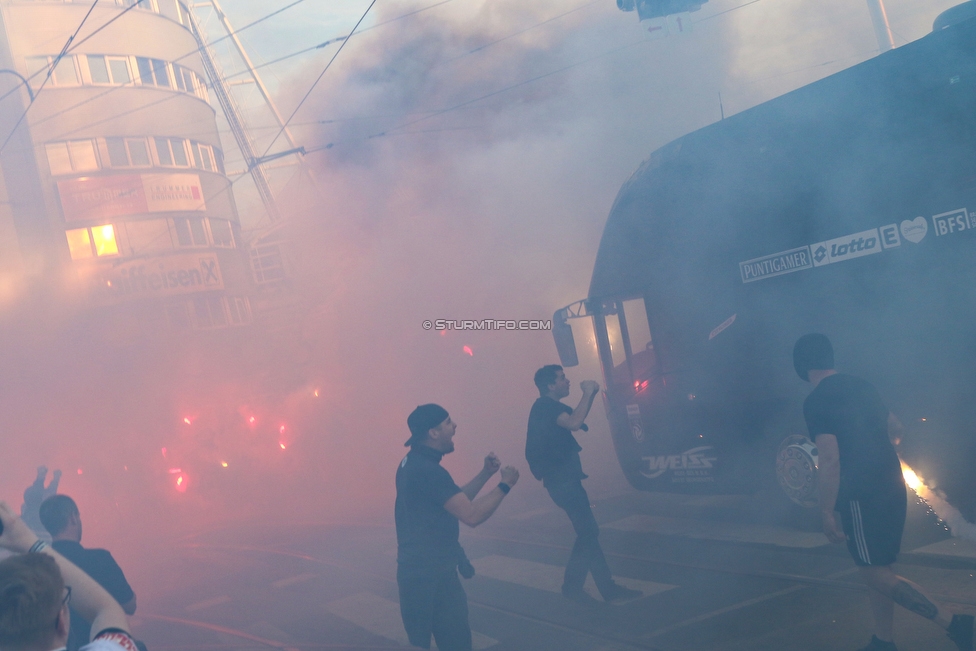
[
  {"x": 37, "y": 546},
  {"x": 504, "y": 487}
]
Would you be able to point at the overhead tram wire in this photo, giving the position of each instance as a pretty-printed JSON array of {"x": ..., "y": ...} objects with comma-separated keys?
[
  {"x": 432, "y": 114},
  {"x": 50, "y": 71},
  {"x": 318, "y": 79},
  {"x": 337, "y": 39},
  {"x": 180, "y": 58}
]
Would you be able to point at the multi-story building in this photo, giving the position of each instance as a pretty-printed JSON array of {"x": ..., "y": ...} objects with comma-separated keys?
[{"x": 115, "y": 177}]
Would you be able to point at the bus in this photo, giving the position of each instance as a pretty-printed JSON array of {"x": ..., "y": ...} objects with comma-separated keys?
[{"x": 846, "y": 207}]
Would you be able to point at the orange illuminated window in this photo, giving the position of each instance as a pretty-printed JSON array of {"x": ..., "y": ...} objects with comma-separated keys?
[
  {"x": 79, "y": 243},
  {"x": 103, "y": 238}
]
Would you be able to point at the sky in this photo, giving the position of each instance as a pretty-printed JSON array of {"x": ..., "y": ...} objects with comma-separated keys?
[{"x": 466, "y": 158}]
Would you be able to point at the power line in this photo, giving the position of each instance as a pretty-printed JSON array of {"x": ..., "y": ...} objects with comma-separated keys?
[
  {"x": 50, "y": 71},
  {"x": 335, "y": 40},
  {"x": 318, "y": 79},
  {"x": 180, "y": 58}
]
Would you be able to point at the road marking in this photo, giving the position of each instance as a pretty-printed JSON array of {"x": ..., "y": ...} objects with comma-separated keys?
[
  {"x": 954, "y": 547},
  {"x": 724, "y": 531},
  {"x": 292, "y": 580},
  {"x": 528, "y": 515},
  {"x": 220, "y": 629},
  {"x": 738, "y": 606},
  {"x": 200, "y": 605},
  {"x": 542, "y": 576},
  {"x": 382, "y": 617}
]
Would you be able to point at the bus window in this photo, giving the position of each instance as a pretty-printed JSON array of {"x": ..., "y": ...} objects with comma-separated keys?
[
  {"x": 640, "y": 332},
  {"x": 617, "y": 349}
]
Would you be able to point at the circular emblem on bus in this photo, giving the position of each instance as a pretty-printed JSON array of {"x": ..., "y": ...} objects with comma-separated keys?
[{"x": 796, "y": 469}]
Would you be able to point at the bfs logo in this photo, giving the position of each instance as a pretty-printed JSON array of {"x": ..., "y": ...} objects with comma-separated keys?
[{"x": 952, "y": 222}]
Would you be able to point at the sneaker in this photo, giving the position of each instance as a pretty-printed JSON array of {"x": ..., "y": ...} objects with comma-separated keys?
[
  {"x": 581, "y": 597},
  {"x": 619, "y": 595},
  {"x": 879, "y": 645},
  {"x": 960, "y": 631}
]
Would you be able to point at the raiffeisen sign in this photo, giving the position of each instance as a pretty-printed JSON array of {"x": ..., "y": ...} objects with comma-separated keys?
[{"x": 156, "y": 277}]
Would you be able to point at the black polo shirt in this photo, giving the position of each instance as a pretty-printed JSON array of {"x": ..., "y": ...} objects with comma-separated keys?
[
  {"x": 551, "y": 450},
  {"x": 852, "y": 410},
  {"x": 427, "y": 535},
  {"x": 99, "y": 565}
]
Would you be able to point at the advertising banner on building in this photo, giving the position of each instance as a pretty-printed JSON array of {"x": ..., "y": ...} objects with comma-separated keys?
[
  {"x": 171, "y": 275},
  {"x": 96, "y": 198}
]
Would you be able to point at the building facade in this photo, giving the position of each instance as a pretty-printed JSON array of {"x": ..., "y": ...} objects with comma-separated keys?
[{"x": 115, "y": 177}]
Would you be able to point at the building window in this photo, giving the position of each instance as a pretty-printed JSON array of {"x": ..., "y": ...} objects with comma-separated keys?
[
  {"x": 203, "y": 155},
  {"x": 128, "y": 152},
  {"x": 153, "y": 72},
  {"x": 267, "y": 263},
  {"x": 108, "y": 70},
  {"x": 221, "y": 232},
  {"x": 240, "y": 310},
  {"x": 65, "y": 74},
  {"x": 190, "y": 231},
  {"x": 97, "y": 241},
  {"x": 71, "y": 156},
  {"x": 208, "y": 312},
  {"x": 79, "y": 243}
]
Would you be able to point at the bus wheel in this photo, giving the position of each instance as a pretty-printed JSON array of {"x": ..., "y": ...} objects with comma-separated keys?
[{"x": 796, "y": 470}]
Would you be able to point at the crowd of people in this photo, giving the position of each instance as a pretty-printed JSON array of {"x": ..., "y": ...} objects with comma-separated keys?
[{"x": 59, "y": 595}]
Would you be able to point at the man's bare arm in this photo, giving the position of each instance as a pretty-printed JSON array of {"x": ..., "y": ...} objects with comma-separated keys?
[
  {"x": 87, "y": 597},
  {"x": 130, "y": 606},
  {"x": 473, "y": 513},
  {"x": 828, "y": 480},
  {"x": 473, "y": 487},
  {"x": 574, "y": 421}
]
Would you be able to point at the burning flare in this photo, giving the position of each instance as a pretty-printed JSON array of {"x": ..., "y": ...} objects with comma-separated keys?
[{"x": 959, "y": 527}]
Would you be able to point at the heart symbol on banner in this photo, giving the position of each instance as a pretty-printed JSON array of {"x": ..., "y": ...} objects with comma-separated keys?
[{"x": 915, "y": 230}]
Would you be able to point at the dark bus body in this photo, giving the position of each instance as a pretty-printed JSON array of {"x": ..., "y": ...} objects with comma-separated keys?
[{"x": 846, "y": 207}]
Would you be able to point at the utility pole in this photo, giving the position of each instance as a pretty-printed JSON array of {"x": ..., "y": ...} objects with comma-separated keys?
[{"x": 882, "y": 30}]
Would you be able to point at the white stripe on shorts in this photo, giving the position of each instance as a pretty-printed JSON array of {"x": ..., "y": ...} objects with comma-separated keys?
[{"x": 859, "y": 539}]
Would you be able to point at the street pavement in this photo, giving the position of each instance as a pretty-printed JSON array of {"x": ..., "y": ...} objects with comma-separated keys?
[{"x": 716, "y": 575}]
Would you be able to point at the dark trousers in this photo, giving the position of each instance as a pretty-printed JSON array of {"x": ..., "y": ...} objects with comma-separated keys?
[
  {"x": 434, "y": 603},
  {"x": 587, "y": 554}
]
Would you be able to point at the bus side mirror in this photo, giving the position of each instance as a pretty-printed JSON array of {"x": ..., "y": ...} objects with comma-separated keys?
[{"x": 562, "y": 334}]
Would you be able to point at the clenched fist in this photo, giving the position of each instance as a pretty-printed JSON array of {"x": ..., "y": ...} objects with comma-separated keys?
[
  {"x": 492, "y": 464},
  {"x": 510, "y": 475}
]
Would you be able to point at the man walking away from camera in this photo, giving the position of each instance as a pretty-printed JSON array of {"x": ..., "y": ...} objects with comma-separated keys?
[
  {"x": 429, "y": 506},
  {"x": 553, "y": 456},
  {"x": 860, "y": 477}
]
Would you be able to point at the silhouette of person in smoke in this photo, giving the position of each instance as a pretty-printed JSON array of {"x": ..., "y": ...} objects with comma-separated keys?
[
  {"x": 860, "y": 477},
  {"x": 429, "y": 506},
  {"x": 34, "y": 495},
  {"x": 553, "y": 456},
  {"x": 61, "y": 518}
]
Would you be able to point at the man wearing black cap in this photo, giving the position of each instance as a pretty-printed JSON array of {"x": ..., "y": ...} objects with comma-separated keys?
[
  {"x": 860, "y": 476},
  {"x": 429, "y": 506},
  {"x": 553, "y": 456}
]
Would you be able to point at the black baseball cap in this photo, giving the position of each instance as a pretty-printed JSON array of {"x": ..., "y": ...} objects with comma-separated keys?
[
  {"x": 812, "y": 351},
  {"x": 423, "y": 419}
]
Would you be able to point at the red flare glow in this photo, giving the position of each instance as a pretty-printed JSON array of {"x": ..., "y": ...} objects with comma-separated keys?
[
  {"x": 175, "y": 471},
  {"x": 251, "y": 420},
  {"x": 282, "y": 444},
  {"x": 181, "y": 483},
  {"x": 281, "y": 430},
  {"x": 79, "y": 471},
  {"x": 187, "y": 420},
  {"x": 164, "y": 453},
  {"x": 468, "y": 350}
]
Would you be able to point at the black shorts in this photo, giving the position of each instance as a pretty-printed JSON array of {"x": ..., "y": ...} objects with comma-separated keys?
[{"x": 874, "y": 526}]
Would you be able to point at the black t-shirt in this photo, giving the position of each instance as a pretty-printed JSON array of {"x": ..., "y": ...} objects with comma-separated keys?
[
  {"x": 551, "y": 450},
  {"x": 852, "y": 410},
  {"x": 99, "y": 565},
  {"x": 427, "y": 535}
]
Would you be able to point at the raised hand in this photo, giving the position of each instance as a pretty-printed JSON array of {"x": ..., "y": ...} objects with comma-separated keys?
[
  {"x": 510, "y": 475},
  {"x": 492, "y": 464}
]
